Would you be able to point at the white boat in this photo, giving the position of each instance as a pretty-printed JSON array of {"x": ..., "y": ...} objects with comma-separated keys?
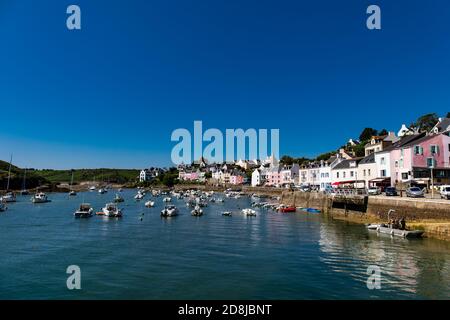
[
  {"x": 139, "y": 196},
  {"x": 118, "y": 198},
  {"x": 102, "y": 190},
  {"x": 197, "y": 212},
  {"x": 9, "y": 197},
  {"x": 167, "y": 199},
  {"x": 111, "y": 210},
  {"x": 219, "y": 200},
  {"x": 84, "y": 211},
  {"x": 150, "y": 204},
  {"x": 40, "y": 197},
  {"x": 92, "y": 188},
  {"x": 249, "y": 212},
  {"x": 226, "y": 213},
  {"x": 169, "y": 211}
]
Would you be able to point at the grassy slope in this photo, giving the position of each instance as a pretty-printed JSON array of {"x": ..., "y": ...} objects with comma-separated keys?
[{"x": 39, "y": 177}]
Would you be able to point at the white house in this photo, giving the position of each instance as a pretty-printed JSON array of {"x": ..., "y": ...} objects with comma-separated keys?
[{"x": 258, "y": 178}]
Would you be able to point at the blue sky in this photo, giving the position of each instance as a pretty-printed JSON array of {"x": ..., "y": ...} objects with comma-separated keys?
[{"x": 110, "y": 94}]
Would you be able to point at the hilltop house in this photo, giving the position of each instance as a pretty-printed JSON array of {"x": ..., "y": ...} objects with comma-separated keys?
[{"x": 149, "y": 174}]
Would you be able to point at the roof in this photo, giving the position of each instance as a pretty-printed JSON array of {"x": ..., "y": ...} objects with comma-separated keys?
[
  {"x": 403, "y": 141},
  {"x": 345, "y": 164},
  {"x": 369, "y": 159},
  {"x": 443, "y": 124}
]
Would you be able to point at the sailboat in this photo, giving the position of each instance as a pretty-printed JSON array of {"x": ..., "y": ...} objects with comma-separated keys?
[
  {"x": 72, "y": 192},
  {"x": 9, "y": 196},
  {"x": 24, "y": 190}
]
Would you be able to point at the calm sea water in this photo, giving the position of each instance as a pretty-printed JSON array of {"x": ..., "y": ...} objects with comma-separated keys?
[{"x": 270, "y": 256}]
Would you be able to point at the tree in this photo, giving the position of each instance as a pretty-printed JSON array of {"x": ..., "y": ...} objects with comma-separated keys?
[
  {"x": 426, "y": 122},
  {"x": 367, "y": 133},
  {"x": 448, "y": 115},
  {"x": 383, "y": 132},
  {"x": 287, "y": 160},
  {"x": 325, "y": 156}
]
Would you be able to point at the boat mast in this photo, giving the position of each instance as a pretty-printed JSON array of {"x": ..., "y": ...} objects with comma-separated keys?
[
  {"x": 9, "y": 174},
  {"x": 24, "y": 179},
  {"x": 71, "y": 181}
]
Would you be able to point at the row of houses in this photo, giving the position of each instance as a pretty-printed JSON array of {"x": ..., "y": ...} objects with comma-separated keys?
[{"x": 408, "y": 158}]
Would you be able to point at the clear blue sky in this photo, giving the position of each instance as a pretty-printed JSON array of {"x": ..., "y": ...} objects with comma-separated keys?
[{"x": 111, "y": 94}]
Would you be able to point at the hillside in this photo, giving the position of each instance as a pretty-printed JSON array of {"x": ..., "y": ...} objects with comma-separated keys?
[
  {"x": 100, "y": 175},
  {"x": 37, "y": 178}
]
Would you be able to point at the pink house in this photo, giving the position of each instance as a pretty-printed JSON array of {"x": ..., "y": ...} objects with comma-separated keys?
[
  {"x": 274, "y": 176},
  {"x": 236, "y": 179},
  {"x": 413, "y": 162}
]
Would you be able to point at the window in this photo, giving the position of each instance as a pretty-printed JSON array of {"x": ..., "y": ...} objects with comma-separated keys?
[
  {"x": 431, "y": 162},
  {"x": 383, "y": 173},
  {"x": 383, "y": 160},
  {"x": 396, "y": 163},
  {"x": 337, "y": 175},
  {"x": 401, "y": 152},
  {"x": 404, "y": 176},
  {"x": 434, "y": 149},
  {"x": 418, "y": 150},
  {"x": 364, "y": 172},
  {"x": 401, "y": 163},
  {"x": 351, "y": 173},
  {"x": 369, "y": 171},
  {"x": 343, "y": 174}
]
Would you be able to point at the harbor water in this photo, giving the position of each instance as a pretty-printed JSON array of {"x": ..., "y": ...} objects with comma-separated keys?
[{"x": 270, "y": 256}]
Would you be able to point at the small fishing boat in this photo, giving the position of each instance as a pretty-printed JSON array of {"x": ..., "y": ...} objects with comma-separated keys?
[
  {"x": 286, "y": 209},
  {"x": 400, "y": 233},
  {"x": 111, "y": 210},
  {"x": 84, "y": 211},
  {"x": 72, "y": 193},
  {"x": 197, "y": 212},
  {"x": 249, "y": 212},
  {"x": 150, "y": 204},
  {"x": 169, "y": 211},
  {"x": 118, "y": 198},
  {"x": 167, "y": 199},
  {"x": 227, "y": 213},
  {"x": 394, "y": 228},
  {"x": 102, "y": 190},
  {"x": 40, "y": 197},
  {"x": 92, "y": 188}
]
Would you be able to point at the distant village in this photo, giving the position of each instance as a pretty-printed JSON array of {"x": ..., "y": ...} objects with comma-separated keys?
[{"x": 409, "y": 157}]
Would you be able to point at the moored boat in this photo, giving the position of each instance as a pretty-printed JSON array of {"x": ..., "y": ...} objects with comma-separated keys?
[
  {"x": 227, "y": 213},
  {"x": 150, "y": 204},
  {"x": 111, "y": 210},
  {"x": 249, "y": 212},
  {"x": 40, "y": 197},
  {"x": 169, "y": 211},
  {"x": 118, "y": 198},
  {"x": 286, "y": 209},
  {"x": 197, "y": 212},
  {"x": 84, "y": 211}
]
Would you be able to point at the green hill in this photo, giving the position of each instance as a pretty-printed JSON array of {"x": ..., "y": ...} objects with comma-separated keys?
[
  {"x": 35, "y": 178},
  {"x": 100, "y": 175}
]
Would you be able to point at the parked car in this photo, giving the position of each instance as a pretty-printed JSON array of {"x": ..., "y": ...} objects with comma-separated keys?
[
  {"x": 391, "y": 191},
  {"x": 414, "y": 192},
  {"x": 373, "y": 191},
  {"x": 445, "y": 193}
]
